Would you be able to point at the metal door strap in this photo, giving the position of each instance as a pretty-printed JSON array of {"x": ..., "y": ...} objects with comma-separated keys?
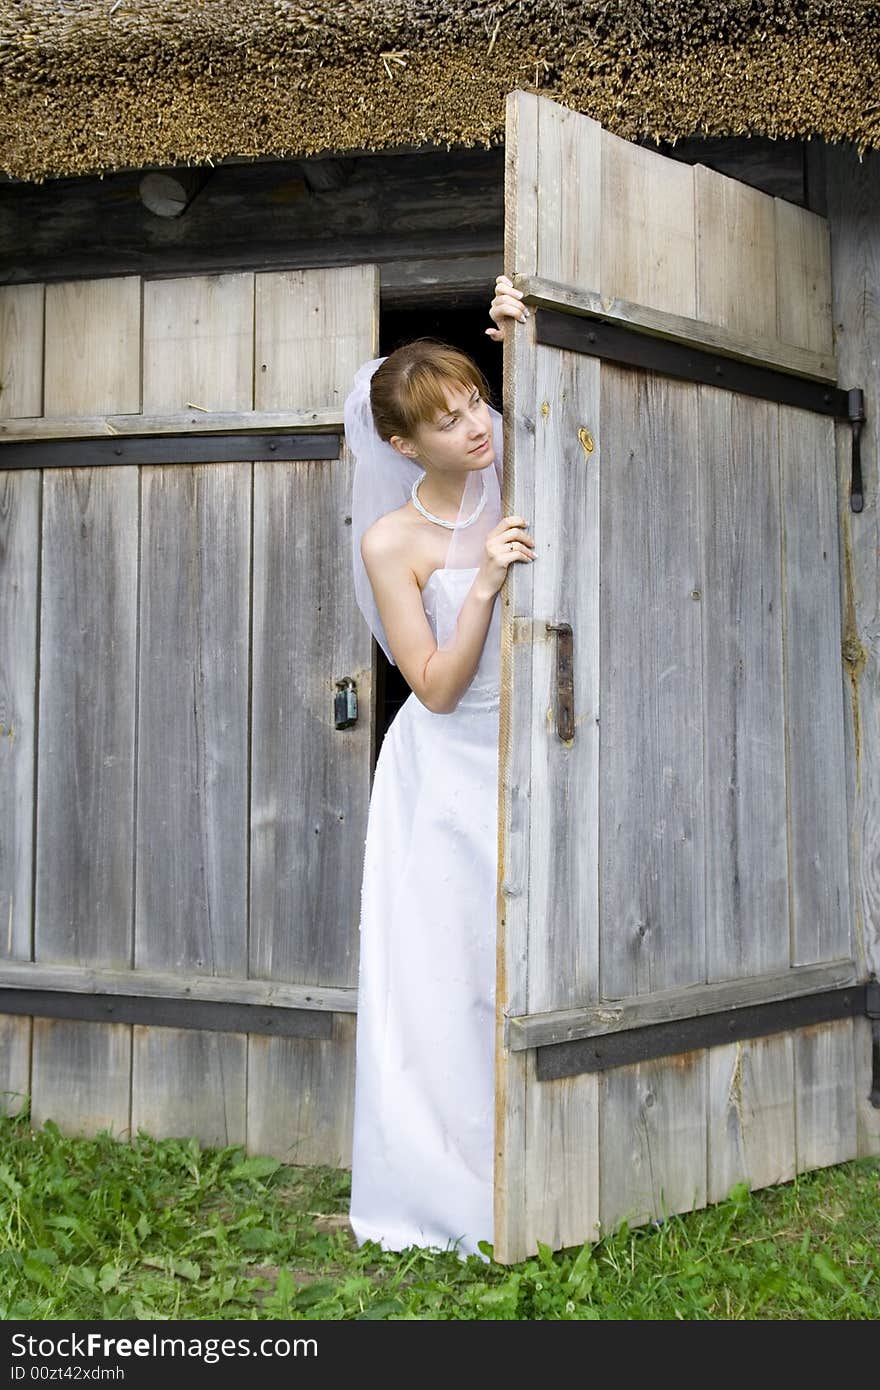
[{"x": 557, "y": 1060}]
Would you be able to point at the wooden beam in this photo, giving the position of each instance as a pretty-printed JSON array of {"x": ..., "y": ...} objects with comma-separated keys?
[
  {"x": 764, "y": 352},
  {"x": 22, "y": 431},
  {"x": 617, "y": 1015},
  {"x": 217, "y": 989}
]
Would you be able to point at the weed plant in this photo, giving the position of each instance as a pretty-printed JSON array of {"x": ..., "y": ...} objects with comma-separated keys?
[{"x": 103, "y": 1229}]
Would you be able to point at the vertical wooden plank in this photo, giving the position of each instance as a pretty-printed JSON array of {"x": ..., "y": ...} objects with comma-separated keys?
[
  {"x": 82, "y": 1076},
  {"x": 736, "y": 255},
  {"x": 747, "y": 931},
  {"x": 297, "y": 1090},
  {"x": 191, "y": 871},
  {"x": 562, "y": 1168},
  {"x": 93, "y": 338},
  {"x": 15, "y": 1063},
  {"x": 824, "y": 1098},
  {"x": 21, "y": 350},
  {"x": 199, "y": 343},
  {"x": 648, "y": 229},
  {"x": 21, "y": 394},
  {"x": 187, "y": 1083},
  {"x": 192, "y": 804},
  {"x": 803, "y": 278},
  {"x": 751, "y": 1114},
  {"x": 520, "y": 408},
  {"x": 85, "y": 775},
  {"x": 814, "y": 692},
  {"x": 314, "y": 328},
  {"x": 853, "y": 199},
  {"x": 19, "y": 589},
  {"x": 653, "y": 1140},
  {"x": 568, "y": 232},
  {"x": 86, "y": 721},
  {"x": 19, "y": 592},
  {"x": 651, "y": 759},
  {"x": 564, "y": 802},
  {"x": 310, "y": 782}
]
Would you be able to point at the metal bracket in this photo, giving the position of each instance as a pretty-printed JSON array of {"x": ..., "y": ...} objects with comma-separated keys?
[
  {"x": 564, "y": 680},
  {"x": 169, "y": 449}
]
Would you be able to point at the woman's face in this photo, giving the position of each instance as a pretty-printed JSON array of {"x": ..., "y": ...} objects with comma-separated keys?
[{"x": 458, "y": 439}]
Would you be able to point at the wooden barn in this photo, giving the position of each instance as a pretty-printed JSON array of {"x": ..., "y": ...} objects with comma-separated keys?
[{"x": 210, "y": 215}]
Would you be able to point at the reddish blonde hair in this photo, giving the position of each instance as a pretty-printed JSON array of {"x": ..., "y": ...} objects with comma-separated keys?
[{"x": 408, "y": 389}]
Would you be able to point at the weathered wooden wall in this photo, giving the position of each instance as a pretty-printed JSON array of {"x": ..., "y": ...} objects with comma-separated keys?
[{"x": 169, "y": 639}]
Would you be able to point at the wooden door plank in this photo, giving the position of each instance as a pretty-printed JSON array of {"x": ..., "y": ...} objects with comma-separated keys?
[
  {"x": 568, "y": 232},
  {"x": 825, "y": 1104},
  {"x": 650, "y": 760},
  {"x": 514, "y": 756},
  {"x": 314, "y": 328},
  {"x": 751, "y": 1114},
  {"x": 191, "y": 866},
  {"x": 653, "y": 1129},
  {"x": 814, "y": 691},
  {"x": 81, "y": 1076},
  {"x": 85, "y": 780},
  {"x": 93, "y": 344},
  {"x": 562, "y": 1172},
  {"x": 15, "y": 1063},
  {"x": 736, "y": 255},
  {"x": 19, "y": 569},
  {"x": 310, "y": 783},
  {"x": 747, "y": 909},
  {"x": 308, "y": 1119},
  {"x": 803, "y": 278},
  {"x": 853, "y": 197},
  {"x": 86, "y": 720},
  {"x": 189, "y": 1084},
  {"x": 199, "y": 343},
  {"x": 88, "y": 637},
  {"x": 21, "y": 350},
  {"x": 563, "y": 968},
  {"x": 193, "y": 700},
  {"x": 648, "y": 228}
]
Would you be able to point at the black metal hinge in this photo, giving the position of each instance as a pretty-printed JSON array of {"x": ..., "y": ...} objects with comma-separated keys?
[
  {"x": 872, "y": 1009},
  {"x": 627, "y": 346}
]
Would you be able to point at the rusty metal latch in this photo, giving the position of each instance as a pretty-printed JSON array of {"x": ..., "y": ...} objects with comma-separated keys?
[{"x": 564, "y": 680}]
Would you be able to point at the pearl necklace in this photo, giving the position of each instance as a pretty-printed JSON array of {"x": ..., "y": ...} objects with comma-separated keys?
[{"x": 450, "y": 525}]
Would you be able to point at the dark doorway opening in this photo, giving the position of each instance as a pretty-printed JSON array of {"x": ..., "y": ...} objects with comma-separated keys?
[{"x": 464, "y": 327}]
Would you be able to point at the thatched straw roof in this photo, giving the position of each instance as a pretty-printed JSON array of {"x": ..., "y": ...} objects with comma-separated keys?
[{"x": 89, "y": 87}]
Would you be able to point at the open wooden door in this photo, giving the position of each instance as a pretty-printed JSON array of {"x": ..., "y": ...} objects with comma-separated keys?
[{"x": 677, "y": 979}]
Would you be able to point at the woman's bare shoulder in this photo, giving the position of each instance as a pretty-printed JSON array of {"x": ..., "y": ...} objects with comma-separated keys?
[
  {"x": 402, "y": 544},
  {"x": 390, "y": 535}
]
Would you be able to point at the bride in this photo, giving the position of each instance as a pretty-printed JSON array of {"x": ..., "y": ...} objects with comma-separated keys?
[{"x": 430, "y": 552}]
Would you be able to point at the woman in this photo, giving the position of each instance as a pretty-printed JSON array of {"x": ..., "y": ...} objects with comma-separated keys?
[{"x": 427, "y": 574}]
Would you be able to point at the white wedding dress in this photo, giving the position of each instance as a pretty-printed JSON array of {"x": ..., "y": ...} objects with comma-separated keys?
[{"x": 422, "y": 1160}]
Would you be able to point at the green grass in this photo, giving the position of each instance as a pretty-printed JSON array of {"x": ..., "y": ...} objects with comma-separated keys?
[{"x": 99, "y": 1229}]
